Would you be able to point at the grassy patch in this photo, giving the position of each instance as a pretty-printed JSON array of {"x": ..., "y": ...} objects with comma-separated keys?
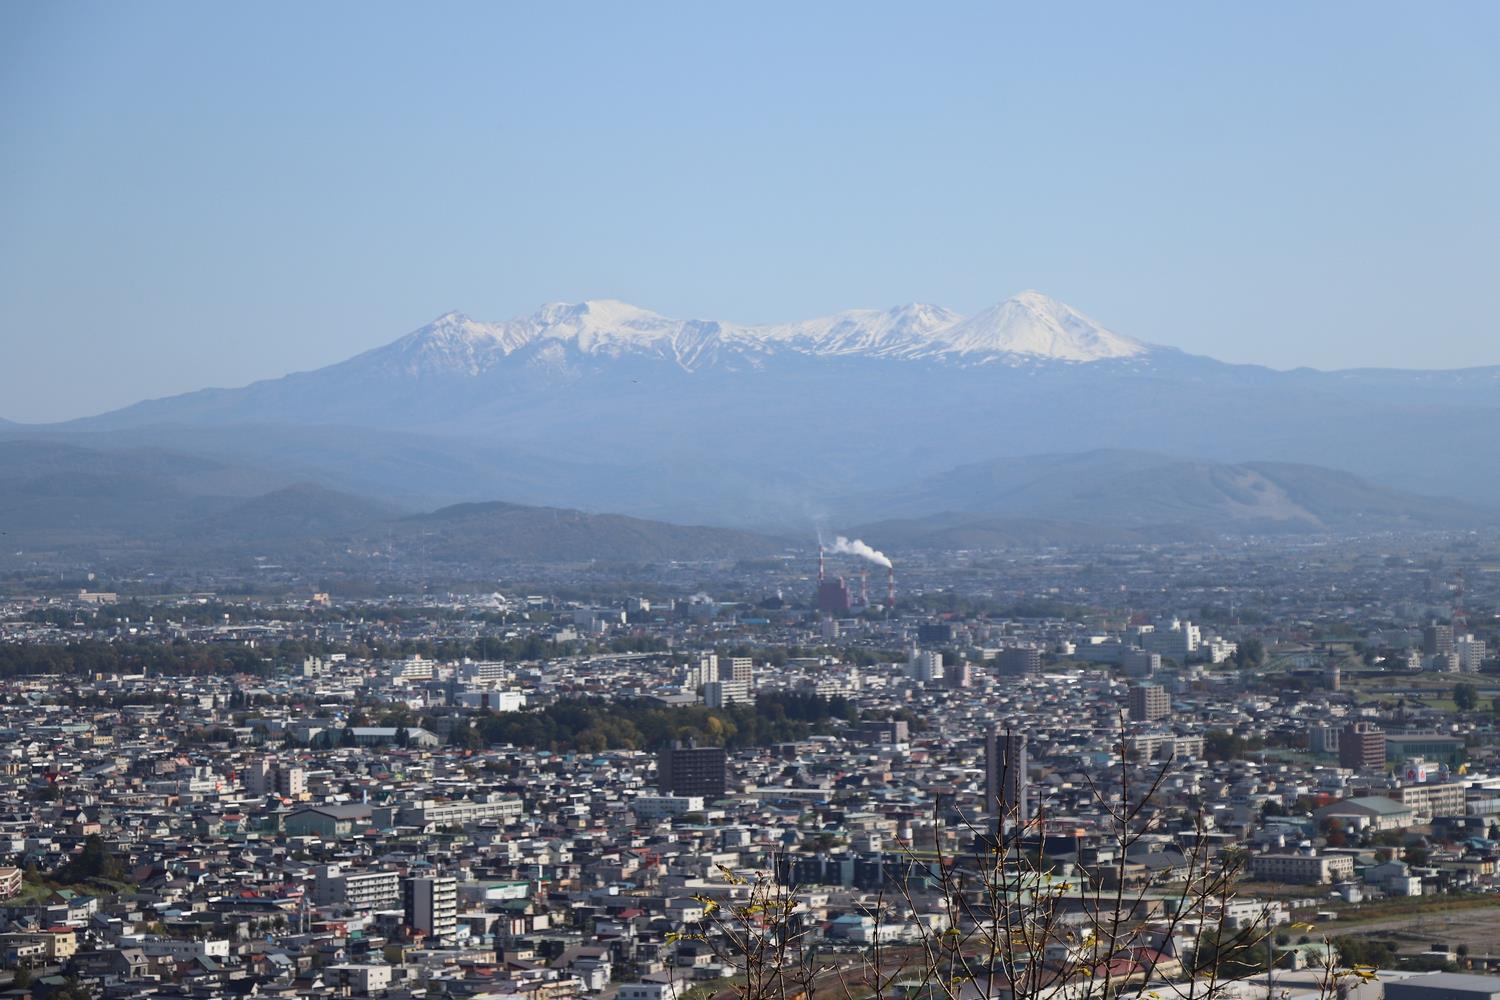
[{"x": 1353, "y": 916}]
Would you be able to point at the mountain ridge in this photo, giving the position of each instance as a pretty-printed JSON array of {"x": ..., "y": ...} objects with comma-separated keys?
[
  {"x": 1029, "y": 324},
  {"x": 601, "y": 405},
  {"x": 63, "y": 503},
  {"x": 1148, "y": 495}
]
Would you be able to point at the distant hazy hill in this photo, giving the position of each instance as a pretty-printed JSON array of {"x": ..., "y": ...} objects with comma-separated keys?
[
  {"x": 58, "y": 495},
  {"x": 1137, "y": 496},
  {"x": 302, "y": 511},
  {"x": 968, "y": 531},
  {"x": 64, "y": 501},
  {"x": 501, "y": 531},
  {"x": 606, "y": 406}
]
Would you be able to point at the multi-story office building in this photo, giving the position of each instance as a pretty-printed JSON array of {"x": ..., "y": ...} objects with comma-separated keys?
[
  {"x": 260, "y": 777},
  {"x": 883, "y": 731},
  {"x": 1471, "y": 653},
  {"x": 1437, "y": 639},
  {"x": 935, "y": 632},
  {"x": 650, "y": 807},
  {"x": 1362, "y": 747},
  {"x": 1005, "y": 779},
  {"x": 925, "y": 666},
  {"x": 1323, "y": 738},
  {"x": 1176, "y": 639},
  {"x": 705, "y": 671},
  {"x": 1302, "y": 869},
  {"x": 717, "y": 694},
  {"x": 957, "y": 675},
  {"x": 457, "y": 812},
  {"x": 361, "y": 891},
  {"x": 1164, "y": 746},
  {"x": 1020, "y": 661},
  {"x": 431, "y": 905},
  {"x": 1149, "y": 702},
  {"x": 692, "y": 770},
  {"x": 291, "y": 782},
  {"x": 409, "y": 669},
  {"x": 1429, "y": 799},
  {"x": 1140, "y": 663},
  {"x": 473, "y": 671},
  {"x": 737, "y": 668}
]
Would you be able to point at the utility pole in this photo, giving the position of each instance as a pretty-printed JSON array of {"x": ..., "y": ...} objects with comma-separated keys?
[{"x": 1270, "y": 958}]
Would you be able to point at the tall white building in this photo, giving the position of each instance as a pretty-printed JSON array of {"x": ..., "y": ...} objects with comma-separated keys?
[
  {"x": 474, "y": 671},
  {"x": 412, "y": 668},
  {"x": 260, "y": 777},
  {"x": 361, "y": 891},
  {"x": 1177, "y": 640},
  {"x": 705, "y": 671},
  {"x": 717, "y": 694},
  {"x": 1471, "y": 653},
  {"x": 291, "y": 782},
  {"x": 926, "y": 666}
]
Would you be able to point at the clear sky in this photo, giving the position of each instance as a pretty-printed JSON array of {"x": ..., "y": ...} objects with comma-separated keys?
[{"x": 206, "y": 194}]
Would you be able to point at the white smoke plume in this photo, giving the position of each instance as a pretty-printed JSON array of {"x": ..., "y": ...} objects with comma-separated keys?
[{"x": 858, "y": 548}]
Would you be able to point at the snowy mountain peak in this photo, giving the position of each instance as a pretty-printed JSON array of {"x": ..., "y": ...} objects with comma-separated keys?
[
  {"x": 922, "y": 316},
  {"x": 604, "y": 326},
  {"x": 1029, "y": 327},
  {"x": 598, "y": 314},
  {"x": 1037, "y": 325}
]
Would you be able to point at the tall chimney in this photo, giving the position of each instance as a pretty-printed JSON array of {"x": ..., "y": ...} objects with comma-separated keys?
[
  {"x": 864, "y": 587},
  {"x": 820, "y": 564},
  {"x": 890, "y": 587}
]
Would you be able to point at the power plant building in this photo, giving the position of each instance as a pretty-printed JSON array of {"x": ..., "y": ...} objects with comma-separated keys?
[{"x": 833, "y": 597}]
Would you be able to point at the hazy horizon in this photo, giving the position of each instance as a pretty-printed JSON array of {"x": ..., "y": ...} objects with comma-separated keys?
[{"x": 212, "y": 196}]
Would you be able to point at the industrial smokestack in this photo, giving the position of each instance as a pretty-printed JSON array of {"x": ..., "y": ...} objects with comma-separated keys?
[
  {"x": 820, "y": 564},
  {"x": 864, "y": 588},
  {"x": 890, "y": 587}
]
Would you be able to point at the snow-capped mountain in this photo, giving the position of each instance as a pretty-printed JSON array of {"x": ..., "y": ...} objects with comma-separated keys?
[
  {"x": 608, "y": 406},
  {"x": 1027, "y": 328},
  {"x": 1033, "y": 325}
]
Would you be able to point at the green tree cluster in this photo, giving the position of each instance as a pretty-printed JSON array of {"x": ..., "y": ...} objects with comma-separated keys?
[
  {"x": 86, "y": 658},
  {"x": 590, "y": 725},
  {"x": 1249, "y": 653},
  {"x": 1364, "y": 951},
  {"x": 1225, "y": 745},
  {"x": 93, "y": 861}
]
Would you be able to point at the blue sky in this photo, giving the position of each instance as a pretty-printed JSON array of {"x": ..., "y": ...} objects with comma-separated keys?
[{"x": 196, "y": 194}]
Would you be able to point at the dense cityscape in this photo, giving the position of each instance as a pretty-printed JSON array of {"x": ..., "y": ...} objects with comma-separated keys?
[
  {"x": 508, "y": 792},
  {"x": 778, "y": 501}
]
